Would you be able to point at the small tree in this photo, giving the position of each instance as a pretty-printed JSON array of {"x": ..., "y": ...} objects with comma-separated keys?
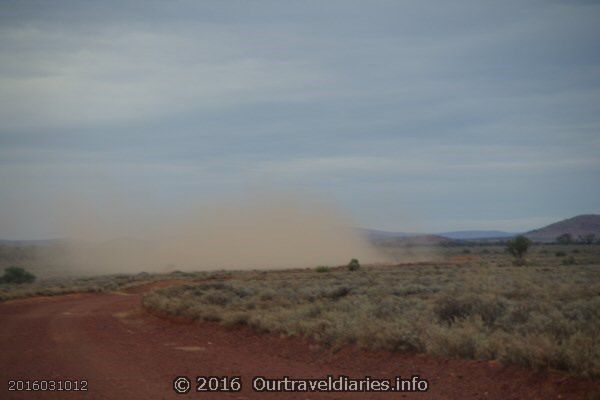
[
  {"x": 589, "y": 238},
  {"x": 518, "y": 247},
  {"x": 353, "y": 265},
  {"x": 17, "y": 275},
  {"x": 565, "y": 238}
]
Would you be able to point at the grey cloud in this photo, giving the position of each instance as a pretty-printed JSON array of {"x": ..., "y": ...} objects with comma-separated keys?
[{"x": 369, "y": 97}]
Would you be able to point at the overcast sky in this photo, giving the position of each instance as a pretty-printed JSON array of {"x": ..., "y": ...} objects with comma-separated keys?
[{"x": 411, "y": 115}]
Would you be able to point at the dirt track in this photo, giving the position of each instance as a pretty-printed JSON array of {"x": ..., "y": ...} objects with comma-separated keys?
[{"x": 125, "y": 353}]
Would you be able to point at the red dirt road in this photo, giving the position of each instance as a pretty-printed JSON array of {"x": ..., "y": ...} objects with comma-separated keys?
[{"x": 125, "y": 353}]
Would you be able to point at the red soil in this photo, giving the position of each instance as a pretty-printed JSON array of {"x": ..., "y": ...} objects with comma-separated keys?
[{"x": 126, "y": 353}]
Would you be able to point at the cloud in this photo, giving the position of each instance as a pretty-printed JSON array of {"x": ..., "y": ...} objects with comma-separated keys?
[
  {"x": 380, "y": 106},
  {"x": 436, "y": 161},
  {"x": 118, "y": 76}
]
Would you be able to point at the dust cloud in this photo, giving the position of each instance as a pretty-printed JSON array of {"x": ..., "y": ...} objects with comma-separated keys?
[{"x": 262, "y": 232}]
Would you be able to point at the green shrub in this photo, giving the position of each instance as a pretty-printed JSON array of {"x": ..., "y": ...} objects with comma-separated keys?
[
  {"x": 565, "y": 238},
  {"x": 17, "y": 275},
  {"x": 560, "y": 254},
  {"x": 518, "y": 248},
  {"x": 353, "y": 265},
  {"x": 451, "y": 308},
  {"x": 322, "y": 268},
  {"x": 457, "y": 341},
  {"x": 217, "y": 298},
  {"x": 338, "y": 293}
]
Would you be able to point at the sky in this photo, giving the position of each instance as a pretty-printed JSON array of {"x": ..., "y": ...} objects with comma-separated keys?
[{"x": 408, "y": 115}]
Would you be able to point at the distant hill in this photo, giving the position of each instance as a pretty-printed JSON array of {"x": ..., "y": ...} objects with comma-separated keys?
[
  {"x": 579, "y": 225},
  {"x": 374, "y": 234},
  {"x": 576, "y": 226},
  {"x": 411, "y": 240},
  {"x": 469, "y": 235},
  {"x": 426, "y": 240}
]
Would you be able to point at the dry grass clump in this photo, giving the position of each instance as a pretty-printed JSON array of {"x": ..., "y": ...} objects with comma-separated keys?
[
  {"x": 58, "y": 286},
  {"x": 539, "y": 316}
]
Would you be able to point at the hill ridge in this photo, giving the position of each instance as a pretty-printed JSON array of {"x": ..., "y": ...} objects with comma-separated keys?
[{"x": 583, "y": 224}]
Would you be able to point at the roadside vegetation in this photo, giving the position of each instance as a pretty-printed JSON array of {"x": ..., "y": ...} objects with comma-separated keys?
[
  {"x": 472, "y": 301},
  {"x": 104, "y": 283},
  {"x": 17, "y": 275},
  {"x": 544, "y": 314}
]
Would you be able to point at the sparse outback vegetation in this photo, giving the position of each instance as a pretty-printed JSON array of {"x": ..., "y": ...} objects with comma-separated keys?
[
  {"x": 473, "y": 305},
  {"x": 17, "y": 275},
  {"x": 105, "y": 283},
  {"x": 518, "y": 247},
  {"x": 353, "y": 265},
  {"x": 542, "y": 315}
]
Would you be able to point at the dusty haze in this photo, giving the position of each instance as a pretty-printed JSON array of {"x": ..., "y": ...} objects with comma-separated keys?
[{"x": 263, "y": 232}]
